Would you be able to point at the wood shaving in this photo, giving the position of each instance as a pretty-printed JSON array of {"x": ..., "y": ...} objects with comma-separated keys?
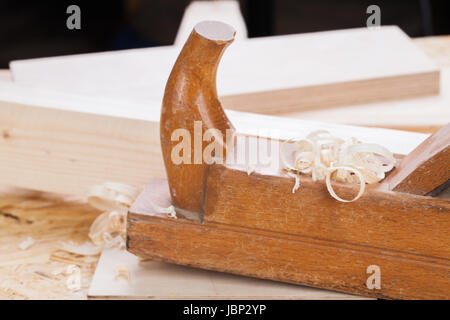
[
  {"x": 113, "y": 196},
  {"x": 85, "y": 249},
  {"x": 122, "y": 271},
  {"x": 86, "y": 262},
  {"x": 109, "y": 228},
  {"x": 27, "y": 243},
  {"x": 172, "y": 214},
  {"x": 297, "y": 181},
  {"x": 325, "y": 157},
  {"x": 116, "y": 242}
]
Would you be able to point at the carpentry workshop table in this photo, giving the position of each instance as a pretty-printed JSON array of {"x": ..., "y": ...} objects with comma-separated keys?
[{"x": 42, "y": 270}]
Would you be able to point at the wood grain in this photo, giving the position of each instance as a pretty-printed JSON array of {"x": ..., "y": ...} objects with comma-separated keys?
[
  {"x": 288, "y": 258},
  {"x": 426, "y": 168},
  {"x": 49, "y": 219},
  {"x": 379, "y": 219}
]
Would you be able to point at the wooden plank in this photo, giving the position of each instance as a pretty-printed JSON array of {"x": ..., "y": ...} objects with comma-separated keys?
[
  {"x": 413, "y": 113},
  {"x": 426, "y": 114},
  {"x": 352, "y": 66},
  {"x": 39, "y": 272},
  {"x": 158, "y": 280},
  {"x": 66, "y": 152},
  {"x": 64, "y": 143}
]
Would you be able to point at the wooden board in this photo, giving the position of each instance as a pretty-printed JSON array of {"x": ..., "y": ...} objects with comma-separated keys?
[
  {"x": 63, "y": 143},
  {"x": 159, "y": 280},
  {"x": 265, "y": 75},
  {"x": 422, "y": 112}
]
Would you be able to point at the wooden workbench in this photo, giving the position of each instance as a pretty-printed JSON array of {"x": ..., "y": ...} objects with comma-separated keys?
[{"x": 35, "y": 273}]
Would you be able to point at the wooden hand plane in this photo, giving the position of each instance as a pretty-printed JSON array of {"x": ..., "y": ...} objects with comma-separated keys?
[{"x": 393, "y": 242}]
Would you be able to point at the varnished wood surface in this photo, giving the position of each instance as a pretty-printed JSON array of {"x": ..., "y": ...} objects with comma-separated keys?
[
  {"x": 190, "y": 96},
  {"x": 380, "y": 219},
  {"x": 233, "y": 248}
]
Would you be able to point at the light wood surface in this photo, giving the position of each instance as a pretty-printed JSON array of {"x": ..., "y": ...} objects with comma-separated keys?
[
  {"x": 265, "y": 75},
  {"x": 425, "y": 114}
]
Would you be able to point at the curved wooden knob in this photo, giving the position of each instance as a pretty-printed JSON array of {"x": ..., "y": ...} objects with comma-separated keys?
[{"x": 191, "y": 101}]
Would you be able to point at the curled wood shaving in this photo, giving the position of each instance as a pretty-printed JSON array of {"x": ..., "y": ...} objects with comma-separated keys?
[
  {"x": 112, "y": 196},
  {"x": 325, "y": 157},
  {"x": 172, "y": 214},
  {"x": 109, "y": 228},
  {"x": 27, "y": 243}
]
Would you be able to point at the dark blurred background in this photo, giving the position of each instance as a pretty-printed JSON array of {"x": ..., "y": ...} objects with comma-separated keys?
[{"x": 30, "y": 29}]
